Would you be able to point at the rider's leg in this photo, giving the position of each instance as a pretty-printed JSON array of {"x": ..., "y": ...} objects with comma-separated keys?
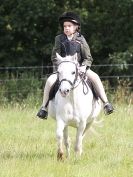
[
  {"x": 43, "y": 111},
  {"x": 97, "y": 83}
]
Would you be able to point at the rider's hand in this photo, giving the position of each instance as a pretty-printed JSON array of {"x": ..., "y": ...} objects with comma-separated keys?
[{"x": 82, "y": 68}]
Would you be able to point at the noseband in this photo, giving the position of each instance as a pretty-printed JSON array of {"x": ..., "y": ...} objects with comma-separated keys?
[{"x": 76, "y": 75}]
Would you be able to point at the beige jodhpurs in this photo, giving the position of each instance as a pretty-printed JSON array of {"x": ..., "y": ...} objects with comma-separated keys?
[
  {"x": 50, "y": 81},
  {"x": 93, "y": 77},
  {"x": 97, "y": 84}
]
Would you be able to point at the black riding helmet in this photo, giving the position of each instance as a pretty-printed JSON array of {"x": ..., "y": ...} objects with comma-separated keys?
[{"x": 69, "y": 16}]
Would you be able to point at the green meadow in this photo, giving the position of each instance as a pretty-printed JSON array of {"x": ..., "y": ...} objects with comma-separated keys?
[{"x": 28, "y": 146}]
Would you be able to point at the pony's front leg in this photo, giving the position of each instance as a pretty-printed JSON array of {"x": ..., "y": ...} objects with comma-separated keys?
[
  {"x": 67, "y": 141},
  {"x": 59, "y": 135},
  {"x": 79, "y": 138}
]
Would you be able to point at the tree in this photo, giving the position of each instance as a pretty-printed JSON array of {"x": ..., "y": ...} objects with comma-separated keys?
[{"x": 28, "y": 28}]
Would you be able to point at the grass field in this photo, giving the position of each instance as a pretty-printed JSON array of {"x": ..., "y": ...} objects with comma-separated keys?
[{"x": 28, "y": 146}]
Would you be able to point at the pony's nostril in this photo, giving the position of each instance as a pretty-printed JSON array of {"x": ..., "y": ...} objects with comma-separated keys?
[
  {"x": 64, "y": 92},
  {"x": 67, "y": 90}
]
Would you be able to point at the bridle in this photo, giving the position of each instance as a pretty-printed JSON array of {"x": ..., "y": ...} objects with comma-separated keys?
[
  {"x": 76, "y": 75},
  {"x": 81, "y": 75}
]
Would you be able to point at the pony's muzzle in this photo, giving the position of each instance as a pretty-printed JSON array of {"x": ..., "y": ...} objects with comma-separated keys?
[{"x": 65, "y": 92}]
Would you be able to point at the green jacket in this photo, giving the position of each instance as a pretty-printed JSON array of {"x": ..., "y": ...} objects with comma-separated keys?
[{"x": 84, "y": 56}]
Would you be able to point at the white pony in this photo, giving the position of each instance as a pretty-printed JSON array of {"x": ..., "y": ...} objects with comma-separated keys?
[{"x": 74, "y": 105}]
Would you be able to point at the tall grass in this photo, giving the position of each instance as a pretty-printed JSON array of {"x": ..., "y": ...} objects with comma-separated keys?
[{"x": 28, "y": 146}]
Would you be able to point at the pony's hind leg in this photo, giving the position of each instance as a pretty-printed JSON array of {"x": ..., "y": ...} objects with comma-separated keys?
[
  {"x": 67, "y": 141},
  {"x": 88, "y": 125}
]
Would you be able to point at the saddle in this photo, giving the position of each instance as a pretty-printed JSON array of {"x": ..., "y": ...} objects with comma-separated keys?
[{"x": 55, "y": 88}]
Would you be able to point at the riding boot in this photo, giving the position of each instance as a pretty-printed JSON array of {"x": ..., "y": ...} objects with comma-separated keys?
[
  {"x": 108, "y": 108},
  {"x": 42, "y": 114}
]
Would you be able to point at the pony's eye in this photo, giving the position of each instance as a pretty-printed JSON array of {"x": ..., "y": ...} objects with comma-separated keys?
[{"x": 73, "y": 72}]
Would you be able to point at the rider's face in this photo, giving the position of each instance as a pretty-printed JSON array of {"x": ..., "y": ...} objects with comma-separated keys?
[{"x": 69, "y": 28}]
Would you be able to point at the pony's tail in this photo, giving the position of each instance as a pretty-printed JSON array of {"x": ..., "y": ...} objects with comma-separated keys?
[
  {"x": 92, "y": 127},
  {"x": 96, "y": 123}
]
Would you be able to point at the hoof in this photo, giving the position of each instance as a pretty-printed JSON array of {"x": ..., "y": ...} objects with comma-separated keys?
[{"x": 60, "y": 156}]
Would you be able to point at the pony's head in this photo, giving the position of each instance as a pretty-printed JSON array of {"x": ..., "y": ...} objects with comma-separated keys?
[{"x": 67, "y": 73}]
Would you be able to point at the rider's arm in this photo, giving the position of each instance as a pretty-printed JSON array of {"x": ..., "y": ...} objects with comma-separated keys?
[{"x": 85, "y": 53}]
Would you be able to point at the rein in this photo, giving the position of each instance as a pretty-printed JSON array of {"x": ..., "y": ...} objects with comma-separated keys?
[
  {"x": 71, "y": 83},
  {"x": 82, "y": 76},
  {"x": 67, "y": 81}
]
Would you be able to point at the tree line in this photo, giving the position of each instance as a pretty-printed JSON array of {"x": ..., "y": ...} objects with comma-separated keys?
[{"x": 28, "y": 29}]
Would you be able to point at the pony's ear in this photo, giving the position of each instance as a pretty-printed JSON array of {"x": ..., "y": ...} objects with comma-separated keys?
[
  {"x": 58, "y": 57},
  {"x": 75, "y": 57}
]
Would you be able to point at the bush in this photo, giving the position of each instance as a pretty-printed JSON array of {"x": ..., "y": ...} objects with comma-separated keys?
[{"x": 21, "y": 89}]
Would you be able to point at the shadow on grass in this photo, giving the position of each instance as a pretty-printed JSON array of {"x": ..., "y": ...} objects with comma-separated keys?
[{"x": 26, "y": 155}]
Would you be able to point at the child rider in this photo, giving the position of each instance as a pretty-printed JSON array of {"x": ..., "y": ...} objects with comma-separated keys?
[{"x": 68, "y": 43}]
